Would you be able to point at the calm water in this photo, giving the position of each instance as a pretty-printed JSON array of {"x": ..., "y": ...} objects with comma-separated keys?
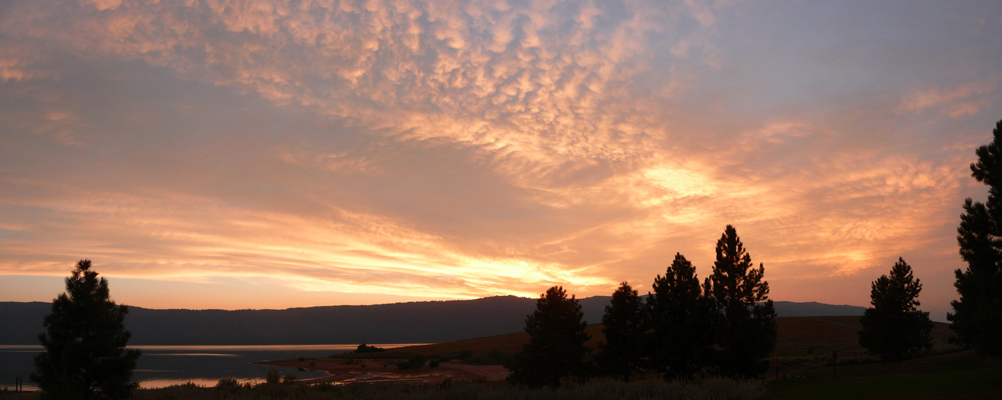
[{"x": 161, "y": 366}]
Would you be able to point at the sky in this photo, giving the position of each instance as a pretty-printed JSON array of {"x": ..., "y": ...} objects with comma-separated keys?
[{"x": 258, "y": 154}]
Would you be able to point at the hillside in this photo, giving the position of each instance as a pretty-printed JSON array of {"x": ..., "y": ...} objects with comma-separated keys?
[
  {"x": 796, "y": 336},
  {"x": 415, "y": 322}
]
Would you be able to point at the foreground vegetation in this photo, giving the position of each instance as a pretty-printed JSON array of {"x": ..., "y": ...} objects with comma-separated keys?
[
  {"x": 711, "y": 389},
  {"x": 962, "y": 375}
]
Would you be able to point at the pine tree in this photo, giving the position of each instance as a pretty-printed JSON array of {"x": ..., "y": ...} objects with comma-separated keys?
[
  {"x": 679, "y": 318},
  {"x": 85, "y": 355},
  {"x": 623, "y": 327},
  {"x": 746, "y": 325},
  {"x": 556, "y": 341},
  {"x": 977, "y": 316},
  {"x": 894, "y": 328}
]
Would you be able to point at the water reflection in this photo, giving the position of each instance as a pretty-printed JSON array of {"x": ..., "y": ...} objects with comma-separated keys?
[{"x": 161, "y": 366}]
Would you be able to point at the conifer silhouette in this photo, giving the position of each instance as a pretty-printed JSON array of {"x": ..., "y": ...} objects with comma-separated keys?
[
  {"x": 746, "y": 325},
  {"x": 556, "y": 341},
  {"x": 680, "y": 316},
  {"x": 623, "y": 328},
  {"x": 977, "y": 315},
  {"x": 893, "y": 328},
  {"x": 85, "y": 355}
]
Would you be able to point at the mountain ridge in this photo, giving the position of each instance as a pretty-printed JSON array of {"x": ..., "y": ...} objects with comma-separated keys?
[{"x": 411, "y": 322}]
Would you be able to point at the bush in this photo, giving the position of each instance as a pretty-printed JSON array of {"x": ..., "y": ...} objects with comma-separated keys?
[
  {"x": 433, "y": 364},
  {"x": 416, "y": 361},
  {"x": 228, "y": 385},
  {"x": 465, "y": 353},
  {"x": 273, "y": 377},
  {"x": 289, "y": 379},
  {"x": 363, "y": 348}
]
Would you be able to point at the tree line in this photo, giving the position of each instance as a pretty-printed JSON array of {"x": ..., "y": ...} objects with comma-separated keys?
[{"x": 723, "y": 326}]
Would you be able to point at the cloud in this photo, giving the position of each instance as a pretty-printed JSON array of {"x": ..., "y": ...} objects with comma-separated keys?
[
  {"x": 465, "y": 148},
  {"x": 961, "y": 101},
  {"x": 183, "y": 237}
]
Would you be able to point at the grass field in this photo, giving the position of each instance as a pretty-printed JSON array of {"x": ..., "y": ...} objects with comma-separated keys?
[{"x": 961, "y": 375}]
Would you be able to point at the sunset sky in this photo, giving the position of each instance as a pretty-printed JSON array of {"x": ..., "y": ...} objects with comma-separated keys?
[{"x": 242, "y": 154}]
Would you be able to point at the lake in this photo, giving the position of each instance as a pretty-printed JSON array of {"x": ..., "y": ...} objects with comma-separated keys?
[{"x": 161, "y": 366}]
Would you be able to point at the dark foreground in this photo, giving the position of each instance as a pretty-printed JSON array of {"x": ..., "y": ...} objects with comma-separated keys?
[
  {"x": 960, "y": 375},
  {"x": 593, "y": 390}
]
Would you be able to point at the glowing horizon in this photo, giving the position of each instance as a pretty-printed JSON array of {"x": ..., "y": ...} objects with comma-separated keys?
[{"x": 251, "y": 154}]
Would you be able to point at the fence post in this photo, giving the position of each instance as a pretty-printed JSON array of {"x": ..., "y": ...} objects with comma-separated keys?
[{"x": 834, "y": 362}]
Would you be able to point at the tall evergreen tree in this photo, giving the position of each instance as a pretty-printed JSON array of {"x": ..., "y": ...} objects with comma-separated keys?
[
  {"x": 893, "y": 328},
  {"x": 746, "y": 325},
  {"x": 679, "y": 320},
  {"x": 85, "y": 355},
  {"x": 977, "y": 315},
  {"x": 556, "y": 341},
  {"x": 623, "y": 328}
]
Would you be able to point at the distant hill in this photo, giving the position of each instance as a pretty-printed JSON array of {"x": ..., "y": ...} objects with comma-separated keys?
[
  {"x": 796, "y": 336},
  {"x": 415, "y": 322}
]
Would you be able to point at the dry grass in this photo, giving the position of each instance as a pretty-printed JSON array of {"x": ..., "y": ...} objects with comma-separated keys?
[
  {"x": 806, "y": 336},
  {"x": 510, "y": 344},
  {"x": 593, "y": 390}
]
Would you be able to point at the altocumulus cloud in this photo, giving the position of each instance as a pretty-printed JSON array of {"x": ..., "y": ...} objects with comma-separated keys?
[{"x": 454, "y": 149}]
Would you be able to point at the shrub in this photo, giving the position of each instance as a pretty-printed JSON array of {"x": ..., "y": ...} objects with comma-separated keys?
[
  {"x": 416, "y": 361},
  {"x": 363, "y": 348},
  {"x": 433, "y": 364},
  {"x": 228, "y": 385},
  {"x": 273, "y": 377},
  {"x": 289, "y": 379}
]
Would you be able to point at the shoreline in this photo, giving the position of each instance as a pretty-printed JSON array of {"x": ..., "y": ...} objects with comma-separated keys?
[{"x": 384, "y": 369}]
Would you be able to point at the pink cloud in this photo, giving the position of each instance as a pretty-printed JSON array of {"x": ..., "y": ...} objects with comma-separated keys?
[{"x": 960, "y": 101}]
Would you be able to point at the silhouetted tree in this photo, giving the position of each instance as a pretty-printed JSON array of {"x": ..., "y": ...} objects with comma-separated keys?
[
  {"x": 623, "y": 329},
  {"x": 746, "y": 325},
  {"x": 679, "y": 321},
  {"x": 893, "y": 328},
  {"x": 977, "y": 316},
  {"x": 85, "y": 355},
  {"x": 556, "y": 341}
]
